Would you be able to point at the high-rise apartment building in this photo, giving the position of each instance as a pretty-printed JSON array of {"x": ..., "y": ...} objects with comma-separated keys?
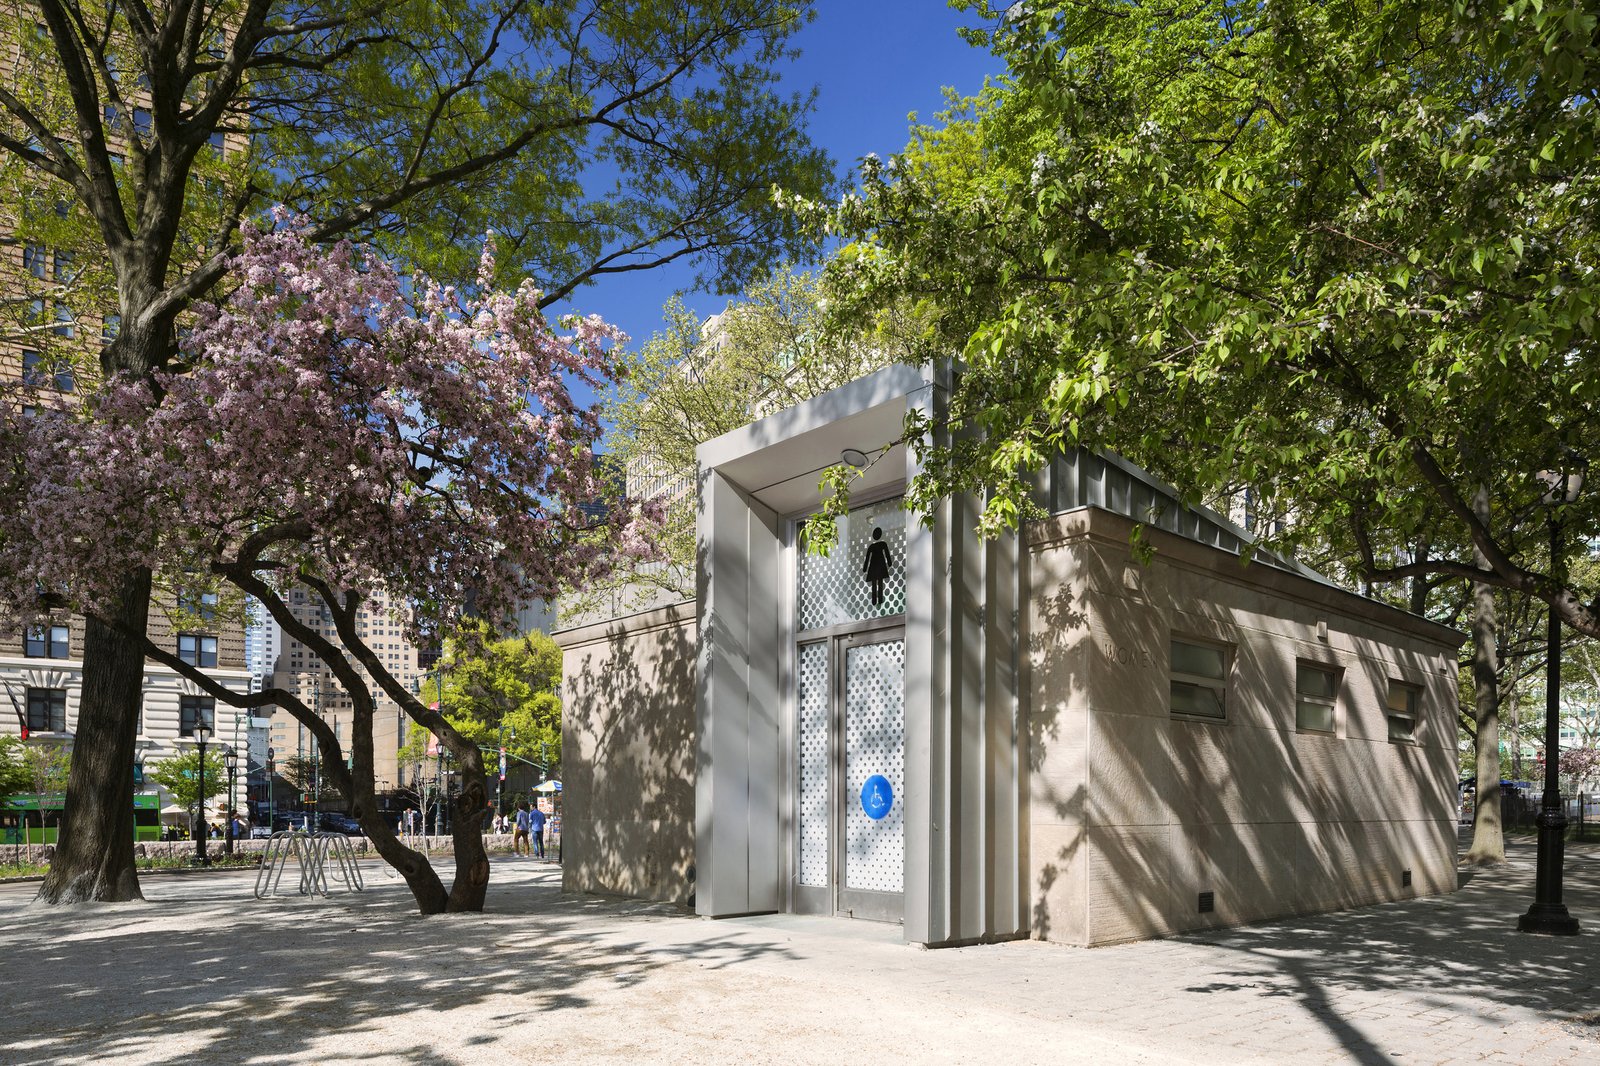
[{"x": 297, "y": 669}]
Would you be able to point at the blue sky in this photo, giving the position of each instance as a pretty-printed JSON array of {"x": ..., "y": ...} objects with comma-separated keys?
[{"x": 873, "y": 62}]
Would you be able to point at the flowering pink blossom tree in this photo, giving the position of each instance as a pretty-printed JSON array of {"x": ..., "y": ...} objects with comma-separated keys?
[
  {"x": 1578, "y": 769},
  {"x": 339, "y": 430}
]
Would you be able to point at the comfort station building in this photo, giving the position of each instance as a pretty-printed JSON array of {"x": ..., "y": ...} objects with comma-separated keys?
[{"x": 1041, "y": 735}]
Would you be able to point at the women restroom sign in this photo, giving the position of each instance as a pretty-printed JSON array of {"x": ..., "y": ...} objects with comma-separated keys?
[{"x": 877, "y": 796}]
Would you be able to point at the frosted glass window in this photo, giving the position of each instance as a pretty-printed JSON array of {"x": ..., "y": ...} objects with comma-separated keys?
[
  {"x": 839, "y": 587},
  {"x": 1314, "y": 689}
]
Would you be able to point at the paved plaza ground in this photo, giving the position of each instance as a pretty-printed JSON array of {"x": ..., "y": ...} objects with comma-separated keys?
[{"x": 205, "y": 973}]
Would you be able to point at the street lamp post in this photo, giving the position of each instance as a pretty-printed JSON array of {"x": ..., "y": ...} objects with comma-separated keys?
[
  {"x": 1548, "y": 914},
  {"x": 202, "y": 732},
  {"x": 231, "y": 761}
]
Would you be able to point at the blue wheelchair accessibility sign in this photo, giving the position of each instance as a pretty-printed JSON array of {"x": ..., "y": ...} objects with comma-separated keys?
[{"x": 877, "y": 796}]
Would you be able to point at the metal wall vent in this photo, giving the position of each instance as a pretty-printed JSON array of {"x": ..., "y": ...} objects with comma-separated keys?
[
  {"x": 1405, "y": 878},
  {"x": 1208, "y": 902}
]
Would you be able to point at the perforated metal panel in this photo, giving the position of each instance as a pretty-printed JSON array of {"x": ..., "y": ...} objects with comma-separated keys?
[
  {"x": 813, "y": 703},
  {"x": 875, "y": 729},
  {"x": 834, "y": 588}
]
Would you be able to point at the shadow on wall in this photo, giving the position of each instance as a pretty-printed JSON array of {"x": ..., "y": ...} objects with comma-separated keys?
[
  {"x": 628, "y": 754},
  {"x": 1144, "y": 824},
  {"x": 1058, "y": 686}
]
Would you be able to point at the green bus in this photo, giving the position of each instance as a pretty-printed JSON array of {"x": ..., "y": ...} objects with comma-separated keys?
[{"x": 35, "y": 818}]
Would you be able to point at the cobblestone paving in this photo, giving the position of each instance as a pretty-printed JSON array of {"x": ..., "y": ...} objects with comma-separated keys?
[{"x": 204, "y": 973}]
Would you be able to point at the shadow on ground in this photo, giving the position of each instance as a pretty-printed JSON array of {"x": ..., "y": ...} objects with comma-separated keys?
[
  {"x": 205, "y": 969},
  {"x": 1460, "y": 954}
]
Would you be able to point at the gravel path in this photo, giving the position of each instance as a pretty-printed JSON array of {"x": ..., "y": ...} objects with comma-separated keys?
[{"x": 204, "y": 973}]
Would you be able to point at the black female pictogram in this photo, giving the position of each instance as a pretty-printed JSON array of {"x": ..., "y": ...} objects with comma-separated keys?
[{"x": 876, "y": 565}]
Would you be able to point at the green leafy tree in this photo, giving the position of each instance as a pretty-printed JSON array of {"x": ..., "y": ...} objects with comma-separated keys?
[
  {"x": 14, "y": 776},
  {"x": 699, "y": 378},
  {"x": 1336, "y": 252},
  {"x": 180, "y": 775},
  {"x": 47, "y": 766},
  {"x": 597, "y": 136},
  {"x": 507, "y": 690}
]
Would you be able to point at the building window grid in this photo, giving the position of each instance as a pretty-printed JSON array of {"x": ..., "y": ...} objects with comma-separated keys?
[
  {"x": 193, "y": 710},
  {"x": 197, "y": 649},
  {"x": 1199, "y": 678},
  {"x": 47, "y": 642},
  {"x": 47, "y": 710},
  {"x": 1402, "y": 702}
]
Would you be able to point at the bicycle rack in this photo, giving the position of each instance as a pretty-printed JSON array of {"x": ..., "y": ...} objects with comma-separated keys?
[{"x": 313, "y": 852}]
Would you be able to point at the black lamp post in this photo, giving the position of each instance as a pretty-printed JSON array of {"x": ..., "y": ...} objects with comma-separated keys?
[
  {"x": 1548, "y": 914},
  {"x": 202, "y": 732},
  {"x": 231, "y": 761}
]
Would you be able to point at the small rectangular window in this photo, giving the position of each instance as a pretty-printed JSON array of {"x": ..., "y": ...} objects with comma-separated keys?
[
  {"x": 1402, "y": 705},
  {"x": 33, "y": 368},
  {"x": 1315, "y": 690},
  {"x": 65, "y": 324},
  {"x": 110, "y": 326},
  {"x": 1199, "y": 679},
  {"x": 34, "y": 259},
  {"x": 47, "y": 710},
  {"x": 197, "y": 650},
  {"x": 141, "y": 121},
  {"x": 192, "y": 711}
]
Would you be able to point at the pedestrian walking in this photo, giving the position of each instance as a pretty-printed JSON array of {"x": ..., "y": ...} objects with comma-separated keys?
[
  {"x": 519, "y": 839},
  {"x": 536, "y": 829}
]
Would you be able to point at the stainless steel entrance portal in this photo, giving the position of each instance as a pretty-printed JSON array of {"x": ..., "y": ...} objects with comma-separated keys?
[{"x": 850, "y": 807}]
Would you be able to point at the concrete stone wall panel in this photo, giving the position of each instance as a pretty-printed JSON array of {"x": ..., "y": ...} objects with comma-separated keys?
[
  {"x": 1129, "y": 883},
  {"x": 628, "y": 755}
]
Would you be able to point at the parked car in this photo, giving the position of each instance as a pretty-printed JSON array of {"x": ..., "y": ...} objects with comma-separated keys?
[{"x": 334, "y": 822}]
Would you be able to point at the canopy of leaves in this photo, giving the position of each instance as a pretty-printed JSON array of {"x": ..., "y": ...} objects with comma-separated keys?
[
  {"x": 699, "y": 378},
  {"x": 599, "y": 136},
  {"x": 1336, "y": 251}
]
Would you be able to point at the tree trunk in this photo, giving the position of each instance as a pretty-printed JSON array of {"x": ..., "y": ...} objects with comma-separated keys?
[
  {"x": 1488, "y": 840},
  {"x": 472, "y": 858},
  {"x": 419, "y": 874},
  {"x": 94, "y": 853}
]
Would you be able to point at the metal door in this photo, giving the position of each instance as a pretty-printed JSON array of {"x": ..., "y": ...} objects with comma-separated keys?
[{"x": 850, "y": 846}]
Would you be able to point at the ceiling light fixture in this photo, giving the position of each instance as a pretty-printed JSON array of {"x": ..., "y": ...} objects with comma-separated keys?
[{"x": 854, "y": 457}]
